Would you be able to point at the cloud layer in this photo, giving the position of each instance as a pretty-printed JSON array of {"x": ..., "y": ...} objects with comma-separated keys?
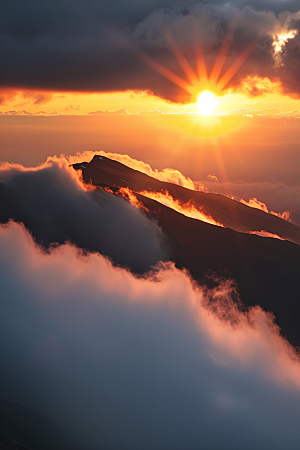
[
  {"x": 56, "y": 207},
  {"x": 127, "y": 363},
  {"x": 61, "y": 47}
]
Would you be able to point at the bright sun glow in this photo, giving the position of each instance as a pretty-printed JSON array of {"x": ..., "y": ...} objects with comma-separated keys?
[{"x": 207, "y": 102}]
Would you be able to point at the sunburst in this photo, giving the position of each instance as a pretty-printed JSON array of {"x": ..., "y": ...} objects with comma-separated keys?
[{"x": 201, "y": 85}]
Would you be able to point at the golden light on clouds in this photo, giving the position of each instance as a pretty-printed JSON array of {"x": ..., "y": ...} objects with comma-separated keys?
[
  {"x": 201, "y": 71},
  {"x": 208, "y": 89},
  {"x": 202, "y": 81},
  {"x": 255, "y": 93},
  {"x": 279, "y": 41}
]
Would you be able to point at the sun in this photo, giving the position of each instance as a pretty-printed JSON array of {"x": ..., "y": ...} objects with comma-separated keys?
[
  {"x": 207, "y": 102},
  {"x": 200, "y": 83}
]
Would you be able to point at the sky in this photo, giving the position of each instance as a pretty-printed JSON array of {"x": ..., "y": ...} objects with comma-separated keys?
[
  {"x": 75, "y": 57},
  {"x": 95, "y": 344},
  {"x": 125, "y": 78}
]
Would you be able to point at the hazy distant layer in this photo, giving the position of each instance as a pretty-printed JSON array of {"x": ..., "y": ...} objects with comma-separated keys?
[{"x": 257, "y": 149}]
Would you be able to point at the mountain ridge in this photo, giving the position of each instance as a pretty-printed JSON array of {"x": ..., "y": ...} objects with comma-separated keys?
[
  {"x": 229, "y": 212},
  {"x": 266, "y": 270}
]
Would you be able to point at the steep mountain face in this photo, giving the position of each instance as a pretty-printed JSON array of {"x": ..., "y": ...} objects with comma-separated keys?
[
  {"x": 266, "y": 270},
  {"x": 231, "y": 213}
]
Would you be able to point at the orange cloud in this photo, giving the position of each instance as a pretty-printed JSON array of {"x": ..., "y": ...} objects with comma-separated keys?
[
  {"x": 254, "y": 203},
  {"x": 188, "y": 209},
  {"x": 264, "y": 233},
  {"x": 21, "y": 97},
  {"x": 129, "y": 195},
  {"x": 168, "y": 175}
]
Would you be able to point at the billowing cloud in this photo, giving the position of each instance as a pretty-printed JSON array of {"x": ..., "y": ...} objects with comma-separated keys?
[
  {"x": 124, "y": 362},
  {"x": 168, "y": 174},
  {"x": 80, "y": 51},
  {"x": 188, "y": 209},
  {"x": 56, "y": 207}
]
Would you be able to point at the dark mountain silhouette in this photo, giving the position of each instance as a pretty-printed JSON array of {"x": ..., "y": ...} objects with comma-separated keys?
[
  {"x": 231, "y": 213},
  {"x": 266, "y": 270}
]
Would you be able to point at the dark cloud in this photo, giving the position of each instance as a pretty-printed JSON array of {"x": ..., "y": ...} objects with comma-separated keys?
[
  {"x": 290, "y": 63},
  {"x": 55, "y": 207},
  {"x": 67, "y": 46},
  {"x": 126, "y": 363}
]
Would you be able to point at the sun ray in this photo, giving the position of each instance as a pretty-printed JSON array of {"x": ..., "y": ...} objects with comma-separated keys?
[
  {"x": 217, "y": 152},
  {"x": 183, "y": 84},
  {"x": 220, "y": 60},
  {"x": 192, "y": 77},
  {"x": 198, "y": 82},
  {"x": 166, "y": 72},
  {"x": 200, "y": 63},
  {"x": 236, "y": 65}
]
